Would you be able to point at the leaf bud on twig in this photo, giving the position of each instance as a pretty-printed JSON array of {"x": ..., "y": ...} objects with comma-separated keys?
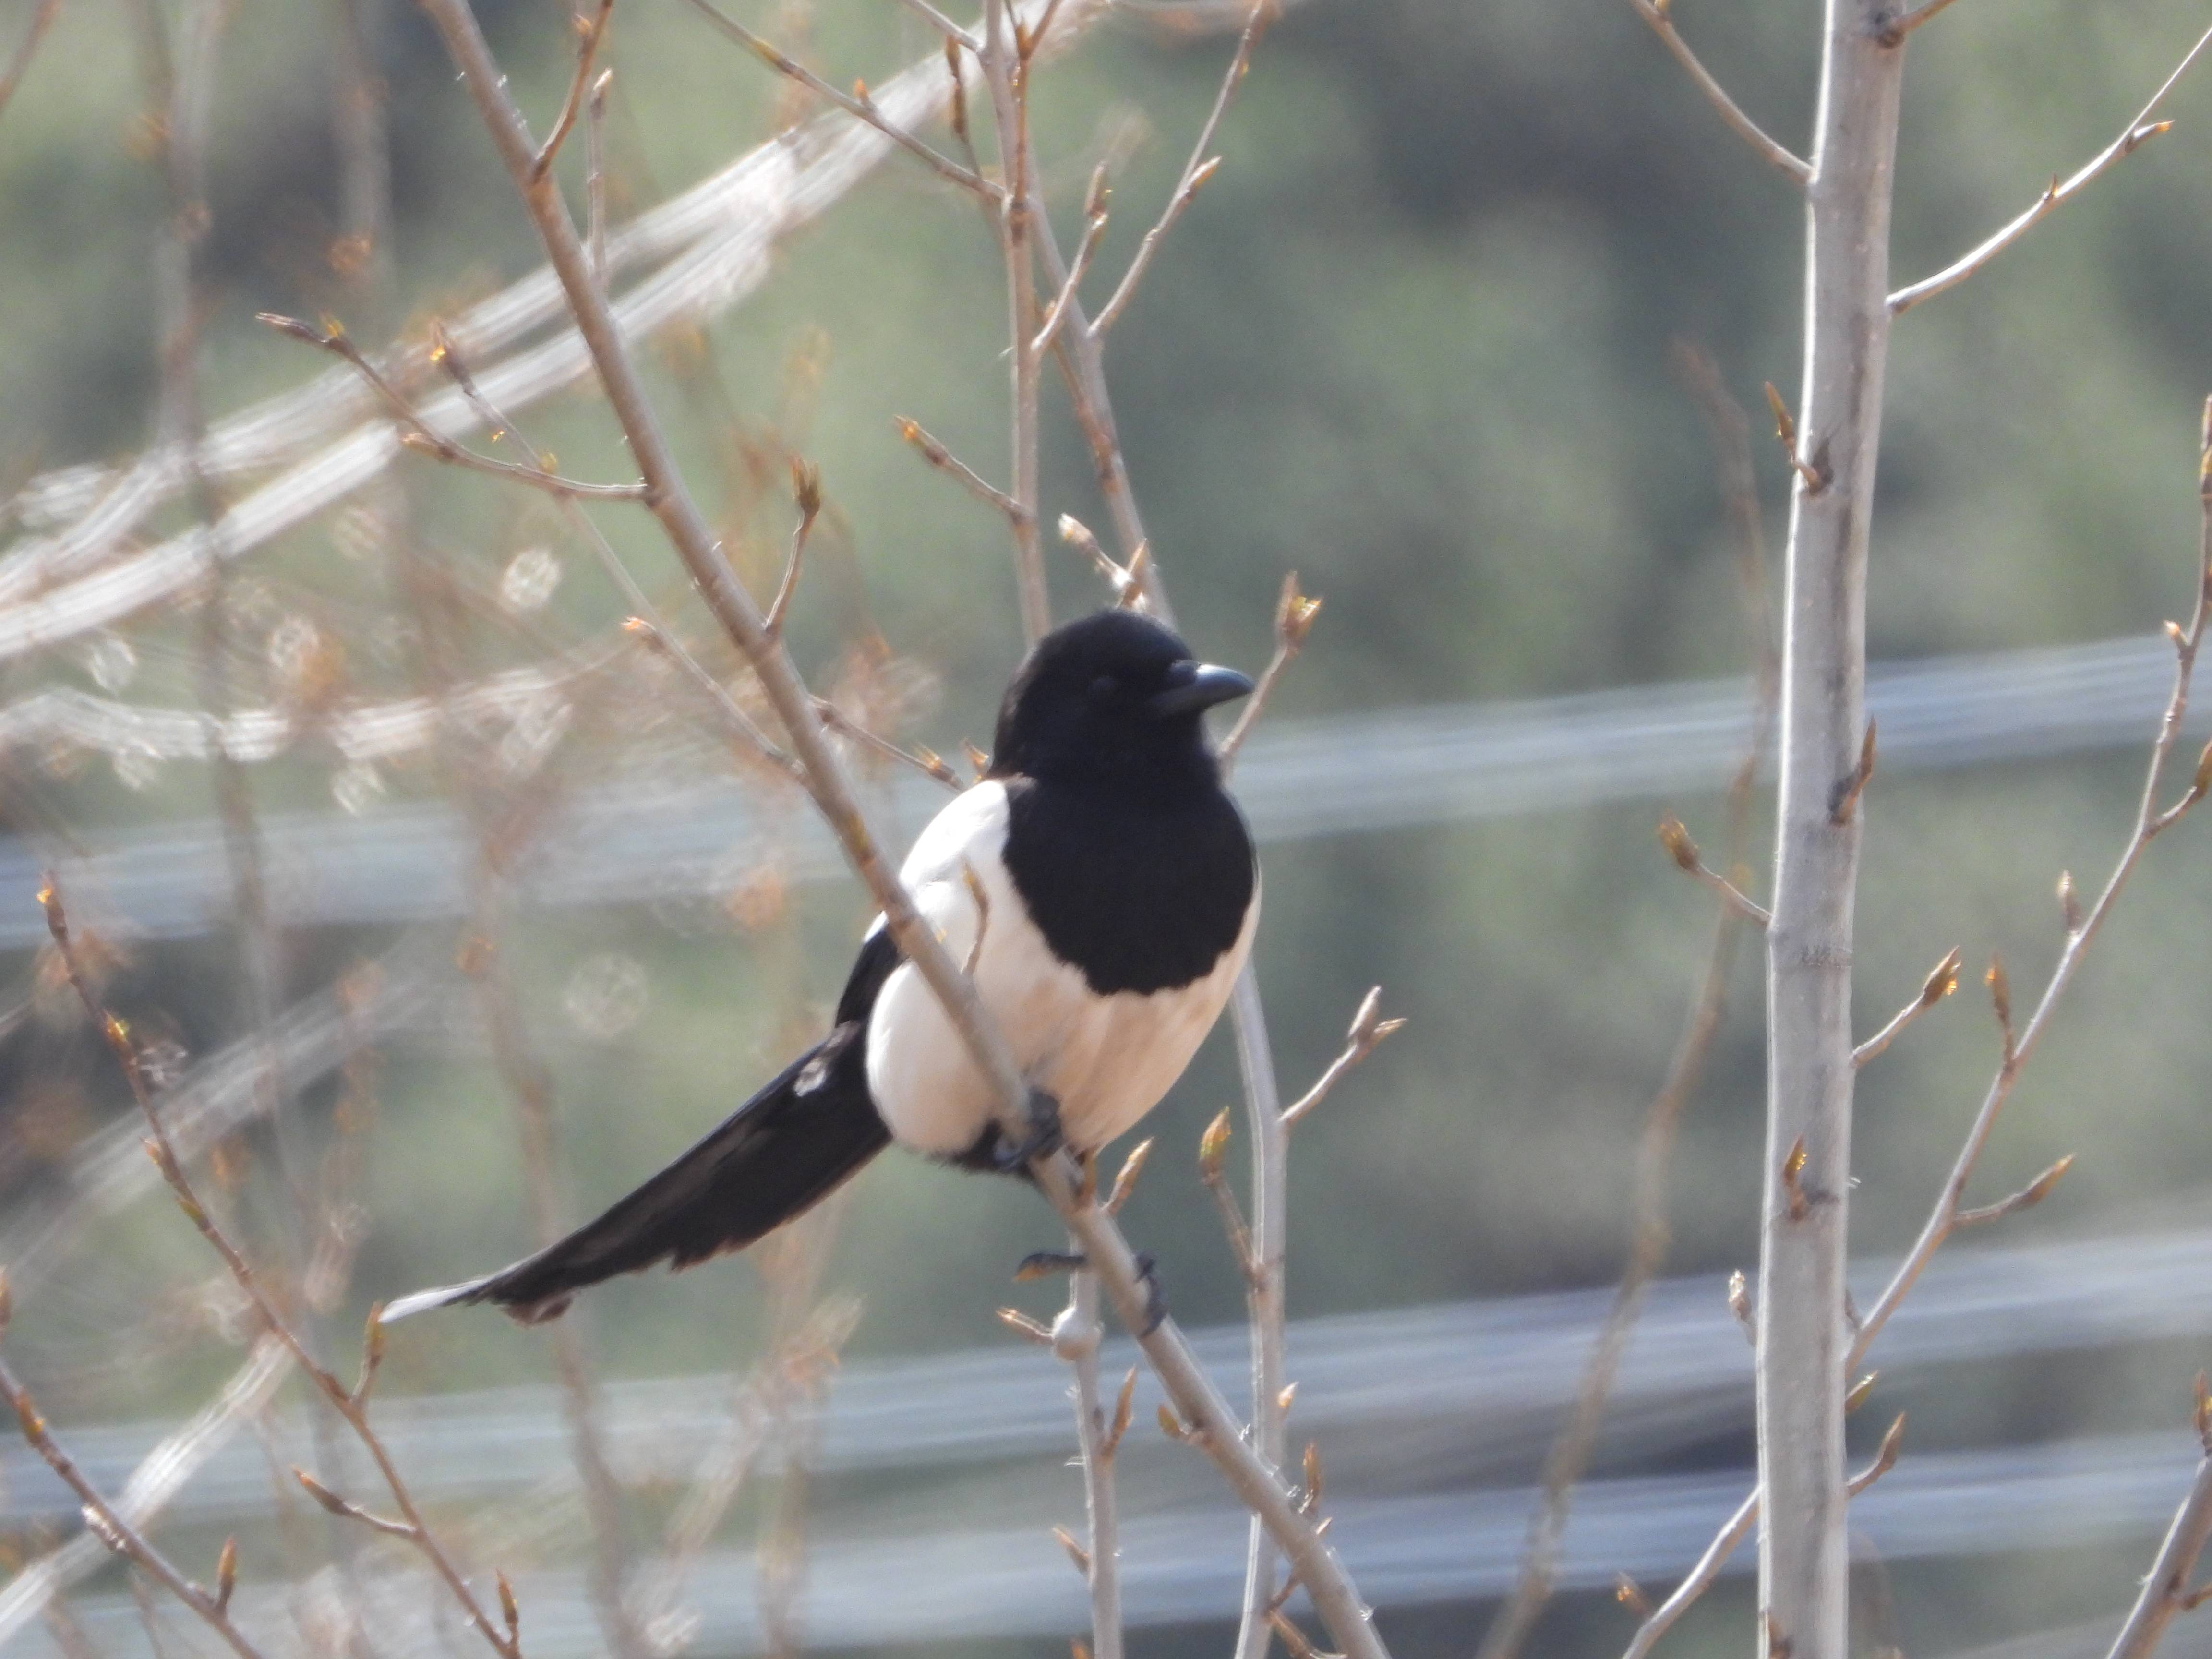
[{"x": 225, "y": 1574}]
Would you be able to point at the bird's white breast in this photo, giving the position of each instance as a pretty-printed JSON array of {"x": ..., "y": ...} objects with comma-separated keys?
[{"x": 1106, "y": 1060}]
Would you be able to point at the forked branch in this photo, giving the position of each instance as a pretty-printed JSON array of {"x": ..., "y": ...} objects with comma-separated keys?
[{"x": 2133, "y": 136}]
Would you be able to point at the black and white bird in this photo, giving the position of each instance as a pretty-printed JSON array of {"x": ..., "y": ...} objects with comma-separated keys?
[{"x": 1101, "y": 885}]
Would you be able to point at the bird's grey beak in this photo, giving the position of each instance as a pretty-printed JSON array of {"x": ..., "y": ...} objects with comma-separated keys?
[{"x": 1195, "y": 686}]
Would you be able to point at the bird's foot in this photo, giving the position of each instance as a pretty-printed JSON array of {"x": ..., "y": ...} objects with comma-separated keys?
[
  {"x": 1042, "y": 1264},
  {"x": 1043, "y": 1138},
  {"x": 1156, "y": 1301}
]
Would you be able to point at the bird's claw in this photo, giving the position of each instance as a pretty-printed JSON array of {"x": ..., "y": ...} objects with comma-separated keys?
[
  {"x": 1156, "y": 1301},
  {"x": 1044, "y": 1136}
]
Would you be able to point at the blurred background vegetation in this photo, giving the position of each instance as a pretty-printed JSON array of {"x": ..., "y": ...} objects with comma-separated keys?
[{"x": 1414, "y": 342}]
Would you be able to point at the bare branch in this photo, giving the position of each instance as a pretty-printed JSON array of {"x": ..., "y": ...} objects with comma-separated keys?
[
  {"x": 425, "y": 439},
  {"x": 595, "y": 175},
  {"x": 806, "y": 491},
  {"x": 589, "y": 32},
  {"x": 2026, "y": 1198},
  {"x": 1684, "y": 851},
  {"x": 1793, "y": 167},
  {"x": 1733, "y": 1532},
  {"x": 1094, "y": 230},
  {"x": 1367, "y": 1034},
  {"x": 946, "y": 461},
  {"x": 2166, "y": 1589},
  {"x": 1294, "y": 615},
  {"x": 1885, "y": 1459},
  {"x": 922, "y": 761},
  {"x": 1941, "y": 981},
  {"x": 2150, "y": 822},
  {"x": 2137, "y": 132},
  {"x": 1196, "y": 170},
  {"x": 113, "y": 1530},
  {"x": 1006, "y": 74},
  {"x": 859, "y": 106},
  {"x": 341, "y": 1397}
]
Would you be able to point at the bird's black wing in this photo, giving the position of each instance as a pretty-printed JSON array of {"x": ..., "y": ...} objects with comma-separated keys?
[{"x": 773, "y": 1158}]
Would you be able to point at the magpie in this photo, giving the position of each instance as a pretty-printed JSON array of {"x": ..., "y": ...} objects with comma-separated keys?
[{"x": 1101, "y": 888}]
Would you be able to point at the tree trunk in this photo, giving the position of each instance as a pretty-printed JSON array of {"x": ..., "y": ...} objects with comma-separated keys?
[{"x": 1801, "y": 1335}]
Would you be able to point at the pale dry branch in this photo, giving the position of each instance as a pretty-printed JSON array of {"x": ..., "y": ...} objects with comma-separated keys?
[
  {"x": 1684, "y": 851},
  {"x": 2166, "y": 1589},
  {"x": 1658, "y": 14},
  {"x": 946, "y": 461},
  {"x": 2151, "y": 820},
  {"x": 1005, "y": 67},
  {"x": 807, "y": 492},
  {"x": 423, "y": 439},
  {"x": 590, "y": 31},
  {"x": 1103, "y": 1247},
  {"x": 1075, "y": 1337},
  {"x": 1368, "y": 1032},
  {"x": 350, "y": 1406},
  {"x": 1885, "y": 1458},
  {"x": 108, "y": 1525},
  {"x": 158, "y": 1477},
  {"x": 1094, "y": 231},
  {"x": 2137, "y": 132},
  {"x": 1195, "y": 172},
  {"x": 1941, "y": 981},
  {"x": 859, "y": 106},
  {"x": 595, "y": 175},
  {"x": 1294, "y": 615},
  {"x": 2026, "y": 1198},
  {"x": 923, "y": 761},
  {"x": 1700, "y": 1578}
]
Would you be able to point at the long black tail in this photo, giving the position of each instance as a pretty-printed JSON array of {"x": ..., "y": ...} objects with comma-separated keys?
[{"x": 773, "y": 1157}]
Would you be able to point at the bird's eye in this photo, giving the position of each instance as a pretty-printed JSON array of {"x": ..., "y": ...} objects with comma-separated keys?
[{"x": 1104, "y": 688}]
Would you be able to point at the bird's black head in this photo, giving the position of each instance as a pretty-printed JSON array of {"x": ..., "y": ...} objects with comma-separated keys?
[{"x": 1111, "y": 702}]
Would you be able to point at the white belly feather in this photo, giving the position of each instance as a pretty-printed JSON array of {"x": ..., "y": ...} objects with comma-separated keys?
[{"x": 1107, "y": 1060}]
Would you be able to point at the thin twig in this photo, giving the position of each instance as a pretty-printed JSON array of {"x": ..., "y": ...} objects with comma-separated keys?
[
  {"x": 1294, "y": 615},
  {"x": 806, "y": 490},
  {"x": 425, "y": 439},
  {"x": 1104, "y": 1249},
  {"x": 1733, "y": 1532},
  {"x": 1367, "y": 1034},
  {"x": 1792, "y": 166},
  {"x": 1094, "y": 230},
  {"x": 2151, "y": 820},
  {"x": 1195, "y": 172},
  {"x": 2166, "y": 1589},
  {"x": 589, "y": 32},
  {"x": 946, "y": 461},
  {"x": 118, "y": 1534},
  {"x": 1885, "y": 1457},
  {"x": 1941, "y": 981},
  {"x": 1684, "y": 851},
  {"x": 41, "y": 20},
  {"x": 1006, "y": 74},
  {"x": 595, "y": 175},
  {"x": 2137, "y": 132},
  {"x": 924, "y": 762},
  {"x": 349, "y": 1403},
  {"x": 861, "y": 108},
  {"x": 1075, "y": 1338}
]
